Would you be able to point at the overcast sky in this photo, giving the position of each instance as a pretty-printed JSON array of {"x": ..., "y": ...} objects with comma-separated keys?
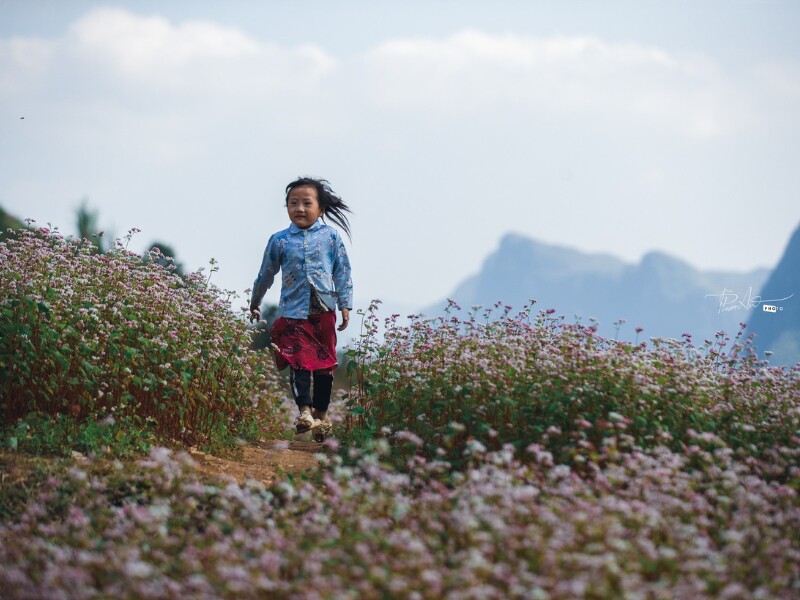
[{"x": 615, "y": 127}]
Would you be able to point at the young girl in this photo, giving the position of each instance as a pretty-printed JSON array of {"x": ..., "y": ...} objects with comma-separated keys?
[{"x": 316, "y": 279}]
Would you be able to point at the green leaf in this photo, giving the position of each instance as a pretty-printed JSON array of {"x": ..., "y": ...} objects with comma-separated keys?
[{"x": 62, "y": 360}]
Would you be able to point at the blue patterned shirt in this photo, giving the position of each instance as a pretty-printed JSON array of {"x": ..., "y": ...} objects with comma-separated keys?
[{"x": 313, "y": 257}]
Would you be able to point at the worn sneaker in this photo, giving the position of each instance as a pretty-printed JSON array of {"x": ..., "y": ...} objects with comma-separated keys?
[
  {"x": 324, "y": 428},
  {"x": 305, "y": 421}
]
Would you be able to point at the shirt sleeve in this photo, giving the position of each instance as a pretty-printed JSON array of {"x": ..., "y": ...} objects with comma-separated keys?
[
  {"x": 270, "y": 265},
  {"x": 342, "y": 279}
]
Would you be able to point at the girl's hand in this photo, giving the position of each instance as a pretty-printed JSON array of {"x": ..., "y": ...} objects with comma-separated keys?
[
  {"x": 345, "y": 319},
  {"x": 255, "y": 315}
]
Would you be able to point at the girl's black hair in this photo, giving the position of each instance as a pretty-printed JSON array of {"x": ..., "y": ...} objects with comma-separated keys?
[{"x": 331, "y": 204}]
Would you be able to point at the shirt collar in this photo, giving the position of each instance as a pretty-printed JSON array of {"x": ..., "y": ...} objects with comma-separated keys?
[{"x": 295, "y": 229}]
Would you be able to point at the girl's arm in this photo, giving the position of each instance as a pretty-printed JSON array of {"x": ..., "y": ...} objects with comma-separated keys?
[
  {"x": 342, "y": 281},
  {"x": 270, "y": 265},
  {"x": 345, "y": 319}
]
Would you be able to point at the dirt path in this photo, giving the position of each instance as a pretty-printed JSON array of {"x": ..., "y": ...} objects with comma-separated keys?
[{"x": 264, "y": 461}]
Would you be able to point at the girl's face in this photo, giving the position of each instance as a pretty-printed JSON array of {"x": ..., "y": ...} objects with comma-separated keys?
[{"x": 303, "y": 206}]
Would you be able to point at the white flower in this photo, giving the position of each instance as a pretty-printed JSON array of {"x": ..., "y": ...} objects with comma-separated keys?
[{"x": 138, "y": 568}]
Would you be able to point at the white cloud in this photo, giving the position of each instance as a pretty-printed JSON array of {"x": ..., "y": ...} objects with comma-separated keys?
[
  {"x": 195, "y": 55},
  {"x": 112, "y": 52},
  {"x": 109, "y": 47},
  {"x": 24, "y": 63},
  {"x": 165, "y": 88},
  {"x": 578, "y": 74},
  {"x": 142, "y": 44},
  {"x": 467, "y": 48}
]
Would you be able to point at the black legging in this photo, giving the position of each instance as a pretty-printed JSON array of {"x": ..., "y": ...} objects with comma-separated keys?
[{"x": 301, "y": 388}]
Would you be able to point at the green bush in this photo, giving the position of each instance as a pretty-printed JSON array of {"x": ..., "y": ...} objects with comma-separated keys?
[
  {"x": 86, "y": 336},
  {"x": 504, "y": 380}
]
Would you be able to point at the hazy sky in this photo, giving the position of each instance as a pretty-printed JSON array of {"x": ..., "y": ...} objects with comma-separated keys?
[{"x": 615, "y": 127}]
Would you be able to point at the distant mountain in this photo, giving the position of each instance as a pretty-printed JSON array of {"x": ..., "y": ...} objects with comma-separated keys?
[
  {"x": 664, "y": 295},
  {"x": 779, "y": 331}
]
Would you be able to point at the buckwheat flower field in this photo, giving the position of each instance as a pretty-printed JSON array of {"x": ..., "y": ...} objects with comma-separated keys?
[
  {"x": 496, "y": 455},
  {"x": 119, "y": 336}
]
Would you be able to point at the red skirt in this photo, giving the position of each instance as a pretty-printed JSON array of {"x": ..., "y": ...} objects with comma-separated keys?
[{"x": 308, "y": 344}]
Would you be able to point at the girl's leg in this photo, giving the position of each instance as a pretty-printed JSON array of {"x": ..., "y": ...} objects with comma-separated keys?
[
  {"x": 300, "y": 380},
  {"x": 323, "y": 384},
  {"x": 301, "y": 390}
]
